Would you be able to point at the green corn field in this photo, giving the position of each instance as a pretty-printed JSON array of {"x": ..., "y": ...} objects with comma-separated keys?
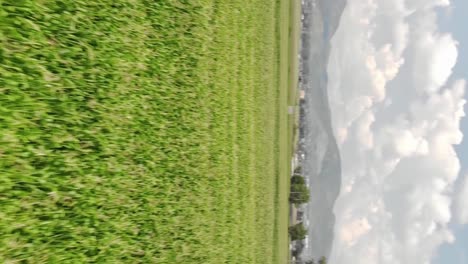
[{"x": 144, "y": 131}]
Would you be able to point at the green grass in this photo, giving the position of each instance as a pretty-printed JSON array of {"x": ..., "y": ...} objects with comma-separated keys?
[
  {"x": 293, "y": 71},
  {"x": 289, "y": 36},
  {"x": 143, "y": 131}
]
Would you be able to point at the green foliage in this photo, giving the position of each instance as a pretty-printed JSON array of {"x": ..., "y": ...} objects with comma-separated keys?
[
  {"x": 298, "y": 170},
  {"x": 297, "y": 232},
  {"x": 299, "y": 192},
  {"x": 138, "y": 131},
  {"x": 297, "y": 179}
]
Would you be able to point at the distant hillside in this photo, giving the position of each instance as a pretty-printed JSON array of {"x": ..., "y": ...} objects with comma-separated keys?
[{"x": 321, "y": 163}]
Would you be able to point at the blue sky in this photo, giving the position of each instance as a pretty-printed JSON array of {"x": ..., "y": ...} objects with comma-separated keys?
[
  {"x": 456, "y": 253},
  {"x": 456, "y": 22}
]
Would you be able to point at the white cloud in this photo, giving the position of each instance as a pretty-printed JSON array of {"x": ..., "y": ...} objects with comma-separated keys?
[
  {"x": 353, "y": 231},
  {"x": 396, "y": 117}
]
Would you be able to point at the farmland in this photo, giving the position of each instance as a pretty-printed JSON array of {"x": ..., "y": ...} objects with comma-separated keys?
[{"x": 144, "y": 131}]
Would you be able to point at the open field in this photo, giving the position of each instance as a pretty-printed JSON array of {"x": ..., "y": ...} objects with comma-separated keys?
[
  {"x": 293, "y": 92},
  {"x": 288, "y": 81},
  {"x": 144, "y": 131}
]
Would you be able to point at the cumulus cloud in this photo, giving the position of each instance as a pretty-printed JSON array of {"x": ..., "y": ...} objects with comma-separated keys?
[
  {"x": 354, "y": 231},
  {"x": 396, "y": 115}
]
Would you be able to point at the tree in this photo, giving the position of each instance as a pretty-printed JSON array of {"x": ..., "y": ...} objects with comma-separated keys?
[
  {"x": 297, "y": 232},
  {"x": 299, "y": 193},
  {"x": 298, "y": 170},
  {"x": 297, "y": 179}
]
